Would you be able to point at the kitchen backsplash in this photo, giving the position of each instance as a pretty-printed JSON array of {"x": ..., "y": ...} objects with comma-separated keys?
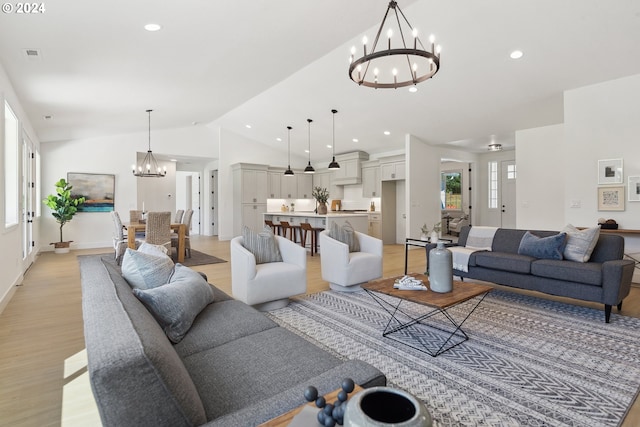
[{"x": 352, "y": 200}]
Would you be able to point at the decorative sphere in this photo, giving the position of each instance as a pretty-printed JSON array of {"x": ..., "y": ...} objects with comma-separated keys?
[
  {"x": 321, "y": 417},
  {"x": 329, "y": 422},
  {"x": 348, "y": 385},
  {"x": 328, "y": 409},
  {"x": 320, "y": 402},
  {"x": 311, "y": 393},
  {"x": 343, "y": 396}
]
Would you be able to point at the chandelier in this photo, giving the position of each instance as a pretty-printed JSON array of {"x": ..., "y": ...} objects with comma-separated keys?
[
  {"x": 148, "y": 167},
  {"x": 406, "y": 63}
]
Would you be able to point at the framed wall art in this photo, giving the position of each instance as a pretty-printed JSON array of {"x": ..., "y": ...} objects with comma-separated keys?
[
  {"x": 98, "y": 190},
  {"x": 611, "y": 198},
  {"x": 633, "y": 189},
  {"x": 610, "y": 171}
]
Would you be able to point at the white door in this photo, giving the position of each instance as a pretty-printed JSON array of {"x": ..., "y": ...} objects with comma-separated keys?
[
  {"x": 508, "y": 194},
  {"x": 213, "y": 202},
  {"x": 28, "y": 200}
]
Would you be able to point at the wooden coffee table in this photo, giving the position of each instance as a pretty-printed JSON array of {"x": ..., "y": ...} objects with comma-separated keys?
[
  {"x": 436, "y": 303},
  {"x": 284, "y": 419}
]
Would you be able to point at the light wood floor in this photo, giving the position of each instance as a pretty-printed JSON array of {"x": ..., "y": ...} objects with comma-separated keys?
[{"x": 43, "y": 379}]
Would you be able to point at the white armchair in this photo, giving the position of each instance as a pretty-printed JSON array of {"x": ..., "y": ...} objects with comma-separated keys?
[
  {"x": 345, "y": 270},
  {"x": 456, "y": 224},
  {"x": 268, "y": 286}
]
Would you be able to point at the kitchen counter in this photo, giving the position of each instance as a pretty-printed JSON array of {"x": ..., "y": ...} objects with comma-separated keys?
[{"x": 359, "y": 220}]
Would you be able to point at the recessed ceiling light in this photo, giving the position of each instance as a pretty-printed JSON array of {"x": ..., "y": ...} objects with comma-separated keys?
[
  {"x": 328, "y": 145},
  {"x": 516, "y": 54},
  {"x": 247, "y": 126},
  {"x": 386, "y": 132},
  {"x": 355, "y": 139},
  {"x": 152, "y": 27},
  {"x": 279, "y": 139},
  {"x": 306, "y": 151},
  {"x": 173, "y": 160},
  {"x": 413, "y": 89}
]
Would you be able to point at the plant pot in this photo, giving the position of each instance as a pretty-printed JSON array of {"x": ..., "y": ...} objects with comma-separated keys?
[
  {"x": 61, "y": 247},
  {"x": 322, "y": 208},
  {"x": 385, "y": 406}
]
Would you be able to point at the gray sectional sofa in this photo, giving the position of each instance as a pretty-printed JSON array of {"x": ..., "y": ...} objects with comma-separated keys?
[
  {"x": 234, "y": 367},
  {"x": 605, "y": 278}
]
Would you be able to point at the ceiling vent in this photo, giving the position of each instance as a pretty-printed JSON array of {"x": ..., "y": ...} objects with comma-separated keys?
[{"x": 32, "y": 54}]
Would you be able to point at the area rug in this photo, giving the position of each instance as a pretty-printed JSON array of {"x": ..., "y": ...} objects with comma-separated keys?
[
  {"x": 199, "y": 258},
  {"x": 528, "y": 362}
]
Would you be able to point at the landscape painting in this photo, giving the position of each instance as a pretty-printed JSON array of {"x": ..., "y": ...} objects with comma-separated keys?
[{"x": 97, "y": 189}]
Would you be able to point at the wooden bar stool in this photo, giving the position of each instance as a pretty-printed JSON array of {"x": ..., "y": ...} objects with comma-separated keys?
[
  {"x": 274, "y": 227},
  {"x": 286, "y": 228},
  {"x": 306, "y": 227}
]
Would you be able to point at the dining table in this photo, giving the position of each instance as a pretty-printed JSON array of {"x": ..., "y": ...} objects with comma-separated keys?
[{"x": 178, "y": 227}]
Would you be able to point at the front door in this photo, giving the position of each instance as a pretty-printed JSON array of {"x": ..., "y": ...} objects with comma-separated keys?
[{"x": 508, "y": 194}]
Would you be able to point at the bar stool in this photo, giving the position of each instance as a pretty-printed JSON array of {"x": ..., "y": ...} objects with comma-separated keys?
[
  {"x": 306, "y": 227},
  {"x": 286, "y": 228},
  {"x": 274, "y": 227}
]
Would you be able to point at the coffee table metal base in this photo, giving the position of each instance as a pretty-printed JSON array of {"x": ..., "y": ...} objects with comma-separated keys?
[{"x": 456, "y": 334}]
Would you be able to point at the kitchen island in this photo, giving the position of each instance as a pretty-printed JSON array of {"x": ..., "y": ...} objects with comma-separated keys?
[{"x": 358, "y": 220}]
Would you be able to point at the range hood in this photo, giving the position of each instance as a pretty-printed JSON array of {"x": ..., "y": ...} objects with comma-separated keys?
[{"x": 350, "y": 171}]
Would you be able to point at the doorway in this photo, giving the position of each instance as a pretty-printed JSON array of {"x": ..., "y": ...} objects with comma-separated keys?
[
  {"x": 28, "y": 203},
  {"x": 508, "y": 194}
]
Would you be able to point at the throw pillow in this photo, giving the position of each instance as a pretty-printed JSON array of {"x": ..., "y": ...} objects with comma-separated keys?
[
  {"x": 157, "y": 250},
  {"x": 345, "y": 234},
  {"x": 176, "y": 304},
  {"x": 542, "y": 247},
  {"x": 263, "y": 245},
  {"x": 145, "y": 271},
  {"x": 580, "y": 243}
]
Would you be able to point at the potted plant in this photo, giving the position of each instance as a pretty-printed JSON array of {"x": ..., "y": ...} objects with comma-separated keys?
[
  {"x": 63, "y": 207},
  {"x": 321, "y": 195}
]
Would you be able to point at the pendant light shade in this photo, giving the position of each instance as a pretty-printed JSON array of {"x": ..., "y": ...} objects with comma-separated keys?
[
  {"x": 289, "y": 172},
  {"x": 334, "y": 164},
  {"x": 309, "y": 168}
]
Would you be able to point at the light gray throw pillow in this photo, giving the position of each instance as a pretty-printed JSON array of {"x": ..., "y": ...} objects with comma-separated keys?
[
  {"x": 580, "y": 243},
  {"x": 263, "y": 245},
  {"x": 145, "y": 271},
  {"x": 345, "y": 234},
  {"x": 176, "y": 304}
]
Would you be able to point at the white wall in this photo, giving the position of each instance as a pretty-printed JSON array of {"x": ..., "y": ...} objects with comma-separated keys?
[
  {"x": 422, "y": 185},
  {"x": 11, "y": 263},
  {"x": 541, "y": 162},
  {"x": 235, "y": 148},
  {"x": 115, "y": 155}
]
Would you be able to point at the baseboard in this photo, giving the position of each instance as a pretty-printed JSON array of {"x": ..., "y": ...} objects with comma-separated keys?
[{"x": 10, "y": 292}]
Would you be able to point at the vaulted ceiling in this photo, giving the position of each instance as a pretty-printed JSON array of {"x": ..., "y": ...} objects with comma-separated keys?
[{"x": 273, "y": 64}]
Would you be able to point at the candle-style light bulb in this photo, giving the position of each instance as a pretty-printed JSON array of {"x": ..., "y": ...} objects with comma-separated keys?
[
  {"x": 415, "y": 38},
  {"x": 395, "y": 75},
  {"x": 364, "y": 44},
  {"x": 432, "y": 40},
  {"x": 438, "y": 50},
  {"x": 389, "y": 34}
]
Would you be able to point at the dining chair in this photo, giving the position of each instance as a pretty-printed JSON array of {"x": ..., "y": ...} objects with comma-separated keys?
[
  {"x": 135, "y": 216},
  {"x": 186, "y": 220},
  {"x": 179, "y": 214},
  {"x": 158, "y": 229},
  {"x": 119, "y": 238}
]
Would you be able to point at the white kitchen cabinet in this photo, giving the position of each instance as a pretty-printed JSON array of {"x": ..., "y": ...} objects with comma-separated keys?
[
  {"x": 392, "y": 171},
  {"x": 305, "y": 186},
  {"x": 289, "y": 187},
  {"x": 273, "y": 188},
  {"x": 254, "y": 186},
  {"x": 324, "y": 179},
  {"x": 252, "y": 215},
  {"x": 249, "y": 195},
  {"x": 375, "y": 225},
  {"x": 371, "y": 184},
  {"x": 350, "y": 171}
]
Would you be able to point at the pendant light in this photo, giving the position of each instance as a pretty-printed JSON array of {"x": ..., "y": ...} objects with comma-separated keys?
[
  {"x": 309, "y": 168},
  {"x": 148, "y": 167},
  {"x": 289, "y": 172},
  {"x": 334, "y": 164}
]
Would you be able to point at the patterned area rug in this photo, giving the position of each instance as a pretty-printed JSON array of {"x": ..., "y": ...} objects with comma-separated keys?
[{"x": 528, "y": 362}]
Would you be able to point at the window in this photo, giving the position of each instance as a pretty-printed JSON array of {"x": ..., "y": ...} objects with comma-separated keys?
[
  {"x": 511, "y": 171},
  {"x": 451, "y": 190},
  {"x": 11, "y": 144},
  {"x": 493, "y": 185}
]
